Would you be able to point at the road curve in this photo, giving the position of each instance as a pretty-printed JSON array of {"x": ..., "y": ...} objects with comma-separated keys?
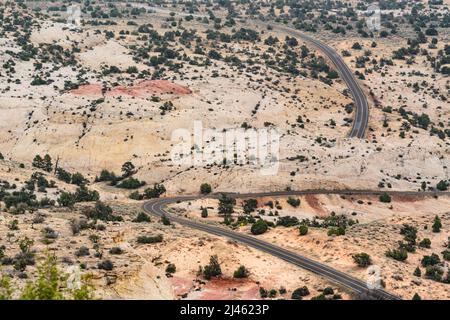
[
  {"x": 361, "y": 120},
  {"x": 362, "y": 107},
  {"x": 157, "y": 207}
]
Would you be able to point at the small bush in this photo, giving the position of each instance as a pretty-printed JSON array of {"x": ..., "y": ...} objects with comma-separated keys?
[
  {"x": 328, "y": 291},
  {"x": 213, "y": 269},
  {"x": 165, "y": 220},
  {"x": 339, "y": 231},
  {"x": 425, "y": 243},
  {"x": 385, "y": 198},
  {"x": 171, "y": 268},
  {"x": 142, "y": 217},
  {"x": 299, "y": 293},
  {"x": 241, "y": 272},
  {"x": 116, "y": 250},
  {"x": 295, "y": 202},
  {"x": 205, "y": 188},
  {"x": 150, "y": 239},
  {"x": 430, "y": 260},
  {"x": 259, "y": 227},
  {"x": 303, "y": 230},
  {"x": 397, "y": 254},
  {"x": 106, "y": 265},
  {"x": 130, "y": 183},
  {"x": 362, "y": 259},
  {"x": 82, "y": 252},
  {"x": 437, "y": 225}
]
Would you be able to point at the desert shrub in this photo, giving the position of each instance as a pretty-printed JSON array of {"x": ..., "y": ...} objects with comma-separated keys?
[
  {"x": 263, "y": 293},
  {"x": 259, "y": 227},
  {"x": 241, "y": 272},
  {"x": 446, "y": 255},
  {"x": 116, "y": 250},
  {"x": 66, "y": 199},
  {"x": 165, "y": 220},
  {"x": 83, "y": 194},
  {"x": 149, "y": 239},
  {"x": 386, "y": 198},
  {"x": 128, "y": 169},
  {"x": 299, "y": 293},
  {"x": 213, "y": 269},
  {"x": 442, "y": 185},
  {"x": 51, "y": 284},
  {"x": 397, "y": 254},
  {"x": 204, "y": 212},
  {"x": 226, "y": 204},
  {"x": 130, "y": 183},
  {"x": 43, "y": 163},
  {"x": 205, "y": 188},
  {"x": 249, "y": 205},
  {"x": 102, "y": 212},
  {"x": 425, "y": 243},
  {"x": 362, "y": 259},
  {"x": 136, "y": 196},
  {"x": 106, "y": 175},
  {"x": 155, "y": 192},
  {"x": 26, "y": 256},
  {"x": 434, "y": 273},
  {"x": 38, "y": 218},
  {"x": 171, "y": 268},
  {"x": 295, "y": 202},
  {"x": 49, "y": 233},
  {"x": 319, "y": 297},
  {"x": 303, "y": 230},
  {"x": 82, "y": 251},
  {"x": 410, "y": 233},
  {"x": 14, "y": 225},
  {"x": 106, "y": 265},
  {"x": 416, "y": 297},
  {"x": 63, "y": 175},
  {"x": 77, "y": 225},
  {"x": 78, "y": 179},
  {"x": 437, "y": 224},
  {"x": 336, "y": 231},
  {"x": 142, "y": 217},
  {"x": 431, "y": 260},
  {"x": 417, "y": 272},
  {"x": 328, "y": 291},
  {"x": 287, "y": 221}
]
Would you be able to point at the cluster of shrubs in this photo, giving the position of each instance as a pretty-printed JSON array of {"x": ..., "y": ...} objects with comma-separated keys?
[
  {"x": 102, "y": 212},
  {"x": 149, "y": 193},
  {"x": 75, "y": 178},
  {"x": 149, "y": 239},
  {"x": 336, "y": 224},
  {"x": 82, "y": 194}
]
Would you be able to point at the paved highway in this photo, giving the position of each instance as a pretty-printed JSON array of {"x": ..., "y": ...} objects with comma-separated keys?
[
  {"x": 157, "y": 207},
  {"x": 361, "y": 120}
]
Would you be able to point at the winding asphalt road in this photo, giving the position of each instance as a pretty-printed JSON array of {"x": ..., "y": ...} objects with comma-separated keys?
[
  {"x": 362, "y": 107},
  {"x": 361, "y": 120},
  {"x": 157, "y": 207}
]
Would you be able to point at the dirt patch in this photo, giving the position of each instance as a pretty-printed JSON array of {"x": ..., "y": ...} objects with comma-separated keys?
[
  {"x": 143, "y": 89},
  {"x": 314, "y": 203},
  {"x": 88, "y": 90},
  {"x": 228, "y": 289}
]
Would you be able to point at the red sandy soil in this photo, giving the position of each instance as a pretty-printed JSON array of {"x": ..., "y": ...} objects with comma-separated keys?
[
  {"x": 314, "y": 203},
  {"x": 143, "y": 89},
  {"x": 216, "y": 289}
]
